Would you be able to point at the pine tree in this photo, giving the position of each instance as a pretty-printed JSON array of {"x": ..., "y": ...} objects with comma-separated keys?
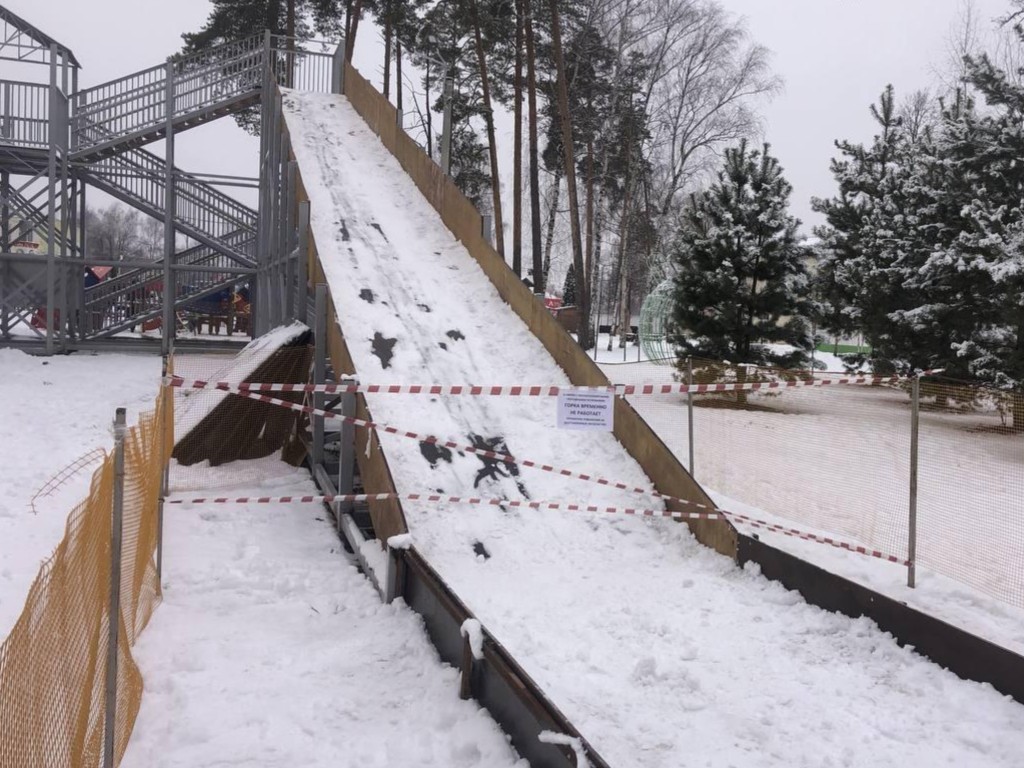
[
  {"x": 569, "y": 287},
  {"x": 238, "y": 19},
  {"x": 871, "y": 245},
  {"x": 742, "y": 282}
]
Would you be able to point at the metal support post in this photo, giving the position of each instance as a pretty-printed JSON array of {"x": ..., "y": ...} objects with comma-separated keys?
[
  {"x": 346, "y": 449},
  {"x": 51, "y": 217},
  {"x": 487, "y": 228},
  {"x": 394, "y": 578},
  {"x": 290, "y": 245},
  {"x": 915, "y": 420},
  {"x": 446, "y": 126},
  {"x": 165, "y": 464},
  {"x": 319, "y": 371},
  {"x": 5, "y": 247},
  {"x": 114, "y": 609},
  {"x": 689, "y": 409},
  {"x": 170, "y": 205},
  {"x": 338, "y": 68},
  {"x": 302, "y": 264}
]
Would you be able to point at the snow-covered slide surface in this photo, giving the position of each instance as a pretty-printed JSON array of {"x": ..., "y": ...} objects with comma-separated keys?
[{"x": 660, "y": 652}]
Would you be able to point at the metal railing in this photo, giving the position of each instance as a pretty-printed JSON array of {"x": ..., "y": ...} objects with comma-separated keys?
[
  {"x": 137, "y": 103},
  {"x": 24, "y": 113},
  {"x": 117, "y": 287},
  {"x": 302, "y": 69},
  {"x": 200, "y": 208}
]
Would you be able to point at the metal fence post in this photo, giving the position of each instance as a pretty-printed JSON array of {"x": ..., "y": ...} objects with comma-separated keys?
[
  {"x": 164, "y": 472},
  {"x": 915, "y": 420},
  {"x": 689, "y": 408},
  {"x": 114, "y": 609}
]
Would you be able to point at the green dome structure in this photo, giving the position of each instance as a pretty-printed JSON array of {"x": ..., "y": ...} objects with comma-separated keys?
[{"x": 655, "y": 316}]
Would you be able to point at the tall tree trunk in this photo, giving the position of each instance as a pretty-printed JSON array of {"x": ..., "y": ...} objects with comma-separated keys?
[
  {"x": 350, "y": 43},
  {"x": 387, "y": 50},
  {"x": 582, "y": 289},
  {"x": 398, "y": 74},
  {"x": 595, "y": 262},
  {"x": 588, "y": 252},
  {"x": 540, "y": 267},
  {"x": 492, "y": 145},
  {"x": 430, "y": 112},
  {"x": 549, "y": 239},
  {"x": 517, "y": 149},
  {"x": 289, "y": 31}
]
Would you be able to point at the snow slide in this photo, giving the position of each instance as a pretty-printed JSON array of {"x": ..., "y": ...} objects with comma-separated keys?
[{"x": 661, "y": 652}]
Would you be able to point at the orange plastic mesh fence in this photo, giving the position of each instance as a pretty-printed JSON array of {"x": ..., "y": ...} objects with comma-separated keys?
[
  {"x": 837, "y": 460},
  {"x": 53, "y": 663}
]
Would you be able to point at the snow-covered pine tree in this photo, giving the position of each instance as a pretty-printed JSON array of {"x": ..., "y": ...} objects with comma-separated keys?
[
  {"x": 569, "y": 287},
  {"x": 871, "y": 244},
  {"x": 742, "y": 282},
  {"x": 986, "y": 259}
]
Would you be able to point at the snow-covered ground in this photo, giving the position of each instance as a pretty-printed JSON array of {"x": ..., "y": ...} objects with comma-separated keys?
[
  {"x": 660, "y": 651},
  {"x": 837, "y": 461},
  {"x": 52, "y": 411},
  {"x": 270, "y": 649}
]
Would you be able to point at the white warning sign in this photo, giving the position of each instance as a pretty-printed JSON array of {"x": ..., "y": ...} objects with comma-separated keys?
[{"x": 591, "y": 411}]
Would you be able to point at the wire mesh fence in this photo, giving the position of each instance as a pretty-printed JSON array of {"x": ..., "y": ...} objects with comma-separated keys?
[
  {"x": 53, "y": 664},
  {"x": 838, "y": 460}
]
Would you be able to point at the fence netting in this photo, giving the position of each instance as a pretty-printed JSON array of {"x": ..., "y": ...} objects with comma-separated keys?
[
  {"x": 53, "y": 663},
  {"x": 836, "y": 459}
]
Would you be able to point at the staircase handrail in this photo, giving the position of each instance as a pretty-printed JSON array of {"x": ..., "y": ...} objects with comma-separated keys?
[
  {"x": 211, "y": 73},
  {"x": 197, "y": 255}
]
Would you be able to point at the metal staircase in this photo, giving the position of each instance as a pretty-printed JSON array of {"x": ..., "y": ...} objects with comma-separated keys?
[
  {"x": 202, "y": 212},
  {"x": 186, "y": 92},
  {"x": 63, "y": 139}
]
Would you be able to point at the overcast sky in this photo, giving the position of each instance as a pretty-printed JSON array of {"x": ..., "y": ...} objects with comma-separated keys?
[{"x": 835, "y": 57}]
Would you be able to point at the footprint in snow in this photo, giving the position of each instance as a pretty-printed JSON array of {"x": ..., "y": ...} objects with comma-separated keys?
[
  {"x": 495, "y": 469},
  {"x": 366, "y": 295},
  {"x": 383, "y": 348},
  {"x": 376, "y": 226},
  {"x": 435, "y": 453},
  {"x": 455, "y": 335}
]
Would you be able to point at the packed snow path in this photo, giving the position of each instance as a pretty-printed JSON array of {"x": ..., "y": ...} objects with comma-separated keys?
[
  {"x": 270, "y": 649},
  {"x": 661, "y": 652}
]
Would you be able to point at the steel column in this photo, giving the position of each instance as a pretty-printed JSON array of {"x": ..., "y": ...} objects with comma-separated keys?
[
  {"x": 170, "y": 206},
  {"x": 319, "y": 372},
  {"x": 915, "y": 422}
]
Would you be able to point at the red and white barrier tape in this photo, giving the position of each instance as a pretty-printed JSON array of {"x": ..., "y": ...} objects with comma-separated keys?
[
  {"x": 531, "y": 390},
  {"x": 504, "y": 458},
  {"x": 549, "y": 505}
]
